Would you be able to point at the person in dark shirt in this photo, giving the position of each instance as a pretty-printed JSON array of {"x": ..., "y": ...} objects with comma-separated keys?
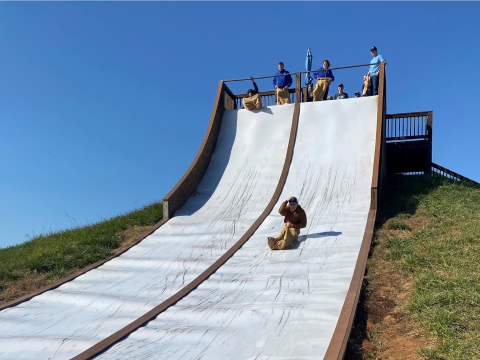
[
  {"x": 309, "y": 92},
  {"x": 340, "y": 94},
  {"x": 251, "y": 92},
  {"x": 282, "y": 83},
  {"x": 357, "y": 94},
  {"x": 253, "y": 101}
]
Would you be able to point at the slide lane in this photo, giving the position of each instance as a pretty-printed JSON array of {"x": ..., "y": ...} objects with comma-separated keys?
[
  {"x": 239, "y": 183},
  {"x": 282, "y": 304},
  {"x": 127, "y": 330}
]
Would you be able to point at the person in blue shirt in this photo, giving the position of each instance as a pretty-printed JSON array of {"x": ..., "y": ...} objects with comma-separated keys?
[
  {"x": 282, "y": 83},
  {"x": 325, "y": 78},
  {"x": 374, "y": 69}
]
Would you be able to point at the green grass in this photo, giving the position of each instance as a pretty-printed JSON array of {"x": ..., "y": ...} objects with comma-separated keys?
[
  {"x": 55, "y": 254},
  {"x": 443, "y": 258},
  {"x": 397, "y": 225}
]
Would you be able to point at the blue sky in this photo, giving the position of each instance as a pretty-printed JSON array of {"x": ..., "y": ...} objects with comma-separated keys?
[{"x": 103, "y": 106}]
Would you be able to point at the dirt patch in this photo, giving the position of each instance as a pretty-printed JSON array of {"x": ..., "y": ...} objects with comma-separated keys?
[
  {"x": 418, "y": 222},
  {"x": 383, "y": 329},
  {"x": 27, "y": 284},
  {"x": 402, "y": 347},
  {"x": 129, "y": 235},
  {"x": 31, "y": 282}
]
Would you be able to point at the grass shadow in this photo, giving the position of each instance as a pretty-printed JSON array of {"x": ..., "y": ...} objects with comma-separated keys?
[{"x": 402, "y": 194}]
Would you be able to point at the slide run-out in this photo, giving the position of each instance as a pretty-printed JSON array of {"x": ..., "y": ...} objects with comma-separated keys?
[{"x": 259, "y": 303}]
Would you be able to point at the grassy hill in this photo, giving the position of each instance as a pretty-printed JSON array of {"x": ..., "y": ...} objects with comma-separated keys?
[
  {"x": 49, "y": 257},
  {"x": 421, "y": 294}
]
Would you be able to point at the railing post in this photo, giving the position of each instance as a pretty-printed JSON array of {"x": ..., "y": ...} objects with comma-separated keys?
[
  {"x": 382, "y": 92},
  {"x": 298, "y": 87},
  {"x": 304, "y": 94},
  {"x": 428, "y": 132},
  {"x": 229, "y": 100}
]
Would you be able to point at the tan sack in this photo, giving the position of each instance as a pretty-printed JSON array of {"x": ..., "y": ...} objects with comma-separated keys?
[
  {"x": 367, "y": 83},
  {"x": 321, "y": 87},
  {"x": 252, "y": 103},
  {"x": 286, "y": 239},
  {"x": 283, "y": 96}
]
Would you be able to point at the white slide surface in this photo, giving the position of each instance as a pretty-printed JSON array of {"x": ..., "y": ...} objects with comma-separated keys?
[
  {"x": 264, "y": 304},
  {"x": 239, "y": 183}
]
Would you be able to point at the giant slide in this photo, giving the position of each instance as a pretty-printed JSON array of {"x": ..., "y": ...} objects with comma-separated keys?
[{"x": 204, "y": 284}]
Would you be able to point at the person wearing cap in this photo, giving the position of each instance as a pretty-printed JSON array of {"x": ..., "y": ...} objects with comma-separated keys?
[
  {"x": 324, "y": 79},
  {"x": 340, "y": 94},
  {"x": 374, "y": 70},
  {"x": 294, "y": 220},
  {"x": 357, "y": 94},
  {"x": 253, "y": 101},
  {"x": 282, "y": 83}
]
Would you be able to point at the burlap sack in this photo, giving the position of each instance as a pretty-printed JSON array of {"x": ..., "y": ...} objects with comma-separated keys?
[
  {"x": 321, "y": 86},
  {"x": 286, "y": 239},
  {"x": 252, "y": 103},
  {"x": 366, "y": 84},
  {"x": 283, "y": 96}
]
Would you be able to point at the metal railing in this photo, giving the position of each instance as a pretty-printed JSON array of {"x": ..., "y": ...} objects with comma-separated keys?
[
  {"x": 302, "y": 72},
  {"x": 297, "y": 93}
]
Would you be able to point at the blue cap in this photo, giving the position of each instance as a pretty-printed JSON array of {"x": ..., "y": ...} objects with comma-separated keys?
[{"x": 294, "y": 201}]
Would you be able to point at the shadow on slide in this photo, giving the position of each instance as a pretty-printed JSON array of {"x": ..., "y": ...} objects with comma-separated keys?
[
  {"x": 265, "y": 110},
  {"x": 303, "y": 238}
]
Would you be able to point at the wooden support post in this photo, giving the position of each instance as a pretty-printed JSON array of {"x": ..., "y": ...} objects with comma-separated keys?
[
  {"x": 374, "y": 198},
  {"x": 298, "y": 88},
  {"x": 381, "y": 125},
  {"x": 304, "y": 94}
]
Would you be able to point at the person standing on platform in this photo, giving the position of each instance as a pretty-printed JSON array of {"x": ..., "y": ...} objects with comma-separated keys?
[
  {"x": 329, "y": 97},
  {"x": 357, "y": 94},
  {"x": 253, "y": 101},
  {"x": 294, "y": 220},
  {"x": 282, "y": 83},
  {"x": 340, "y": 94},
  {"x": 310, "y": 92},
  {"x": 324, "y": 79},
  {"x": 374, "y": 70}
]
